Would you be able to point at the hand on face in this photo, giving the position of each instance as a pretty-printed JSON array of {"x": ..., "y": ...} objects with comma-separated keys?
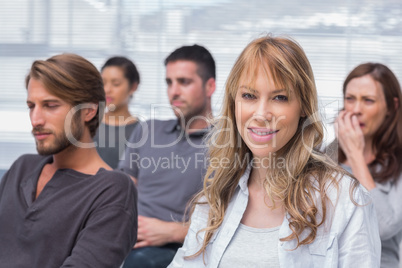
[
  {"x": 349, "y": 133},
  {"x": 365, "y": 98}
]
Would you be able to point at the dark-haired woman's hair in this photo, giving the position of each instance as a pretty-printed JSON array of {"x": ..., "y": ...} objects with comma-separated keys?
[{"x": 128, "y": 67}]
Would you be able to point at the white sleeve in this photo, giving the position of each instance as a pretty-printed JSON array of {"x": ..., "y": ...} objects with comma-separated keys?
[{"x": 193, "y": 241}]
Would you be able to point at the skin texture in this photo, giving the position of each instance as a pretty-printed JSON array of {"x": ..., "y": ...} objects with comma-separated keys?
[
  {"x": 365, "y": 110},
  {"x": 264, "y": 108}
]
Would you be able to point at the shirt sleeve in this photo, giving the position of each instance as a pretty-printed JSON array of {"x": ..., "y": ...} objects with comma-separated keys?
[
  {"x": 193, "y": 241},
  {"x": 388, "y": 209},
  {"x": 3, "y": 182},
  {"x": 109, "y": 233},
  {"x": 359, "y": 243}
]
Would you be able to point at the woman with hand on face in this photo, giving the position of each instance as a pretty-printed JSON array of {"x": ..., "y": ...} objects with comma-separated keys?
[
  {"x": 369, "y": 145},
  {"x": 120, "y": 80},
  {"x": 270, "y": 199}
]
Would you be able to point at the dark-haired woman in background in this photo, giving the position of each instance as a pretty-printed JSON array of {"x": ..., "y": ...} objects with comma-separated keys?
[
  {"x": 369, "y": 145},
  {"x": 121, "y": 80}
]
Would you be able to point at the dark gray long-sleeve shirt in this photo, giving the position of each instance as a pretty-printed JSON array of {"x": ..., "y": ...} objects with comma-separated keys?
[{"x": 78, "y": 220}]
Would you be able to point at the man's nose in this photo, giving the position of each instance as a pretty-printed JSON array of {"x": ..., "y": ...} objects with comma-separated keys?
[
  {"x": 174, "y": 89},
  {"x": 37, "y": 118}
]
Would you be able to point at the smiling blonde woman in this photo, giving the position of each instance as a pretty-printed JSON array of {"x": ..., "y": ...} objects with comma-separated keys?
[{"x": 270, "y": 199}]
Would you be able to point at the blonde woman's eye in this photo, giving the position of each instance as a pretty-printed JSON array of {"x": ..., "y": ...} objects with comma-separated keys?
[
  {"x": 247, "y": 96},
  {"x": 281, "y": 98}
]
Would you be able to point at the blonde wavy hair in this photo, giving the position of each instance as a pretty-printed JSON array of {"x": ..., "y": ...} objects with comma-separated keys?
[{"x": 292, "y": 184}]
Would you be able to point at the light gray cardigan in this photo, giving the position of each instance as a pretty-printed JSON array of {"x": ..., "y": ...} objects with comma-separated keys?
[{"x": 388, "y": 206}]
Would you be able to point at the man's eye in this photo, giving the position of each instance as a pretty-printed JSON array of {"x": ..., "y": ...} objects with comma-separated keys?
[
  {"x": 51, "y": 106},
  {"x": 185, "y": 82}
]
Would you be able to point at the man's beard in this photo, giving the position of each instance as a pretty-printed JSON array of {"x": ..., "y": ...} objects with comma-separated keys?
[
  {"x": 61, "y": 142},
  {"x": 189, "y": 113}
]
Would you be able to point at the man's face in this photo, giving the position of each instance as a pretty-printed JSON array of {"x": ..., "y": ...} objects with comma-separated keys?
[
  {"x": 187, "y": 94},
  {"x": 48, "y": 113}
]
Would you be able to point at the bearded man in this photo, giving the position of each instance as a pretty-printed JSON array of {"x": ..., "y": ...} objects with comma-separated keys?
[{"x": 65, "y": 207}]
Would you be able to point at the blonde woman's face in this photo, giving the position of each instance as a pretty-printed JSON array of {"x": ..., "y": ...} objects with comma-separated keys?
[{"x": 267, "y": 116}]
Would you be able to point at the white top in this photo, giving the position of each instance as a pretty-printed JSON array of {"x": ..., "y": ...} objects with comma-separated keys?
[
  {"x": 252, "y": 247},
  {"x": 349, "y": 237}
]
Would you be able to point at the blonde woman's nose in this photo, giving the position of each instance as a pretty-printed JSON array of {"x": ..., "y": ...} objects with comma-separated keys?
[{"x": 263, "y": 112}]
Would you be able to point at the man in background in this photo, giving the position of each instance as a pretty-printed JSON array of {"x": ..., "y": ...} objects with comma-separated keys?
[{"x": 166, "y": 159}]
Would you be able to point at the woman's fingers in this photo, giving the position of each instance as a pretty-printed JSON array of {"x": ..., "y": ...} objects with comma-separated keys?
[{"x": 356, "y": 126}]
